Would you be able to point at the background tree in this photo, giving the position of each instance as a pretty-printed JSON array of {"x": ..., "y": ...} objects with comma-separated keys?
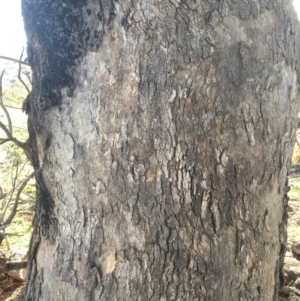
[
  {"x": 161, "y": 135},
  {"x": 15, "y": 194},
  {"x": 16, "y": 82},
  {"x": 15, "y": 169}
]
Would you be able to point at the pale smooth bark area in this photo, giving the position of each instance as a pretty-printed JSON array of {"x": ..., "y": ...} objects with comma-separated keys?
[{"x": 161, "y": 133}]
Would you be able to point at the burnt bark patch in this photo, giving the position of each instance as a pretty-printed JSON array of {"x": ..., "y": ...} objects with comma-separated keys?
[{"x": 70, "y": 35}]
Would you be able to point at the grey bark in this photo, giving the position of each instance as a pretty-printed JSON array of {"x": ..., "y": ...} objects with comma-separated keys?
[{"x": 161, "y": 135}]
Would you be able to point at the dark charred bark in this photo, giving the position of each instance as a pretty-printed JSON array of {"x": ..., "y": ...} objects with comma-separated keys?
[{"x": 161, "y": 134}]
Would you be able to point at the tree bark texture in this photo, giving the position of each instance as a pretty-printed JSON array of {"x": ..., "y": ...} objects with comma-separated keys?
[{"x": 161, "y": 133}]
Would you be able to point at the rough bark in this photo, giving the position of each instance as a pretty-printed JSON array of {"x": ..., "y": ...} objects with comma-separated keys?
[{"x": 161, "y": 133}]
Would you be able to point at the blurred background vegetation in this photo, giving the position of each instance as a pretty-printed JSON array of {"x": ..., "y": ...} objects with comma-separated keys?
[
  {"x": 14, "y": 91},
  {"x": 15, "y": 166}
]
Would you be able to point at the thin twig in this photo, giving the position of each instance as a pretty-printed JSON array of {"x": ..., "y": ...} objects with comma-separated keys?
[
  {"x": 19, "y": 74},
  {"x": 14, "y": 180},
  {"x": 17, "y": 127},
  {"x": 5, "y": 129},
  {"x": 17, "y": 108},
  {"x": 30, "y": 196},
  {"x": 2, "y": 73},
  {"x": 10, "y": 127},
  {"x": 19, "y": 143},
  {"x": 3, "y": 106},
  {"x": 14, "y": 60},
  {"x": 28, "y": 76},
  {"x": 14, "y": 209},
  {"x": 11, "y": 138}
]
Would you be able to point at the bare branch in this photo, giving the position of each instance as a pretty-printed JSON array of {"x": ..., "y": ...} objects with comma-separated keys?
[
  {"x": 10, "y": 127},
  {"x": 2, "y": 73},
  {"x": 19, "y": 74},
  {"x": 18, "y": 127},
  {"x": 3, "y": 141},
  {"x": 14, "y": 209},
  {"x": 5, "y": 129},
  {"x": 14, "y": 180},
  {"x": 6, "y": 265},
  {"x": 14, "y": 60},
  {"x": 16, "y": 265},
  {"x": 1, "y": 76},
  {"x": 3, "y": 227},
  {"x": 23, "y": 145},
  {"x": 27, "y": 74},
  {"x": 18, "y": 108},
  {"x": 3, "y": 106},
  {"x": 28, "y": 195},
  {"x": 2, "y": 197},
  {"x": 22, "y": 168},
  {"x": 10, "y": 234}
]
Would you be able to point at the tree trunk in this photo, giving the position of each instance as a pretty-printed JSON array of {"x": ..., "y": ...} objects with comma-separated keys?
[{"x": 161, "y": 133}]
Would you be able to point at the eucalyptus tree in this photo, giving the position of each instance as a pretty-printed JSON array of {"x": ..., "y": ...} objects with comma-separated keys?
[{"x": 161, "y": 134}]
